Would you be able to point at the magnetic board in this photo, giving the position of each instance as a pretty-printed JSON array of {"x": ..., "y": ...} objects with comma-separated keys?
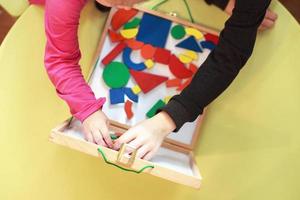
[{"x": 100, "y": 88}]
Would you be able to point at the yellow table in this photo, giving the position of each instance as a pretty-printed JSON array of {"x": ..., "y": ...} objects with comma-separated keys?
[{"x": 250, "y": 142}]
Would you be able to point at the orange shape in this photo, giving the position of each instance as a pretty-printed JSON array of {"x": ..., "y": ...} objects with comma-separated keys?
[
  {"x": 134, "y": 44},
  {"x": 148, "y": 51},
  {"x": 176, "y": 82},
  {"x": 128, "y": 109}
]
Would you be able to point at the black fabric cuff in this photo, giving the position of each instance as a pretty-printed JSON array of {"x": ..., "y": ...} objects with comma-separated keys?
[
  {"x": 219, "y": 3},
  {"x": 177, "y": 112}
]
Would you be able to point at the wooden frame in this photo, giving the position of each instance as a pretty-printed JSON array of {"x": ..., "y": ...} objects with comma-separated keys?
[{"x": 58, "y": 136}]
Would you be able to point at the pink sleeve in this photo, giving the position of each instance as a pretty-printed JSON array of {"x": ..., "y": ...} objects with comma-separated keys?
[{"x": 62, "y": 55}]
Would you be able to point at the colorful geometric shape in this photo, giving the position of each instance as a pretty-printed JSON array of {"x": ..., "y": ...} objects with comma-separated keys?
[
  {"x": 147, "y": 81},
  {"x": 148, "y": 51},
  {"x": 149, "y": 63},
  {"x": 162, "y": 56},
  {"x": 115, "y": 37},
  {"x": 116, "y": 95},
  {"x": 128, "y": 62},
  {"x": 184, "y": 84},
  {"x": 134, "y": 44},
  {"x": 133, "y": 23},
  {"x": 193, "y": 68},
  {"x": 129, "y": 33},
  {"x": 173, "y": 82},
  {"x": 167, "y": 99},
  {"x": 153, "y": 30},
  {"x": 185, "y": 59},
  {"x": 178, "y": 32},
  {"x": 207, "y": 45},
  {"x": 194, "y": 32},
  {"x": 113, "y": 53},
  {"x": 159, "y": 104},
  {"x": 212, "y": 38},
  {"x": 116, "y": 75},
  {"x": 136, "y": 89},
  {"x": 178, "y": 69},
  {"x": 191, "y": 54},
  {"x": 122, "y": 16},
  {"x": 129, "y": 93},
  {"x": 190, "y": 44},
  {"x": 128, "y": 109}
]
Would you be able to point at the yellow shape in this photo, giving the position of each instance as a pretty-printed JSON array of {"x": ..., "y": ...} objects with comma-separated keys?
[
  {"x": 191, "y": 54},
  {"x": 185, "y": 59},
  {"x": 149, "y": 63},
  {"x": 129, "y": 33},
  {"x": 136, "y": 89},
  {"x": 167, "y": 99},
  {"x": 194, "y": 32}
]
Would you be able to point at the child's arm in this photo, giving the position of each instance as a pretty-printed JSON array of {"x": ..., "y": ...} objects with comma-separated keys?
[
  {"x": 228, "y": 6},
  {"x": 62, "y": 55},
  {"x": 215, "y": 75}
]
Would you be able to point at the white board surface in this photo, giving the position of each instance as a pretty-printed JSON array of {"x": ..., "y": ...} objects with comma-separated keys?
[{"x": 146, "y": 101}]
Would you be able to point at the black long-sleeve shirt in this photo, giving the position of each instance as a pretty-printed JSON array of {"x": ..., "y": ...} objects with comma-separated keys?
[
  {"x": 235, "y": 46},
  {"x": 219, "y": 3}
]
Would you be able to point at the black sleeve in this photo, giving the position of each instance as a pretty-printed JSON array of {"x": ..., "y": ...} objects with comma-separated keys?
[
  {"x": 235, "y": 46},
  {"x": 219, "y": 3}
]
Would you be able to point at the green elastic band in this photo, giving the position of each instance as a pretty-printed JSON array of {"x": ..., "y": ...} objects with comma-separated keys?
[
  {"x": 186, "y": 5},
  {"x": 157, "y": 5},
  {"x": 122, "y": 168},
  {"x": 189, "y": 11}
]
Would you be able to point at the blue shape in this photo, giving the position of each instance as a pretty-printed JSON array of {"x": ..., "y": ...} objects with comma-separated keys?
[
  {"x": 131, "y": 95},
  {"x": 154, "y": 30},
  {"x": 128, "y": 62},
  {"x": 116, "y": 95},
  {"x": 190, "y": 43},
  {"x": 207, "y": 45}
]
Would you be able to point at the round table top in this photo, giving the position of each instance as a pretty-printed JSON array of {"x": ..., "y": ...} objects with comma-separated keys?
[{"x": 249, "y": 146}]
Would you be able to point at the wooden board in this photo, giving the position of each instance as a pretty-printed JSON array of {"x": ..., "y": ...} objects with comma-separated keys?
[
  {"x": 172, "y": 163},
  {"x": 174, "y": 160}
]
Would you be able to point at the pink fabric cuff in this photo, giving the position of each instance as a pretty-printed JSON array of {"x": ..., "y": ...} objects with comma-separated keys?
[{"x": 90, "y": 110}]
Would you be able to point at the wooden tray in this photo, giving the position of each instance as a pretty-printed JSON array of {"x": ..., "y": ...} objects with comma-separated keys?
[{"x": 174, "y": 160}]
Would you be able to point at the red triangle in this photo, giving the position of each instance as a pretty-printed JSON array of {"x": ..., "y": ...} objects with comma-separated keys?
[{"x": 147, "y": 81}]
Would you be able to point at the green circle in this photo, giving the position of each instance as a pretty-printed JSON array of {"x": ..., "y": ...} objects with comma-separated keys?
[
  {"x": 116, "y": 75},
  {"x": 178, "y": 32}
]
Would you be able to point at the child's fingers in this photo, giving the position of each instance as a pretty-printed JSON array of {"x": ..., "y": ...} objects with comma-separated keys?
[
  {"x": 88, "y": 136},
  {"x": 268, "y": 23},
  {"x": 125, "y": 138},
  {"x": 105, "y": 134},
  {"x": 143, "y": 151},
  {"x": 98, "y": 137},
  {"x": 149, "y": 155},
  {"x": 136, "y": 143},
  {"x": 271, "y": 15}
]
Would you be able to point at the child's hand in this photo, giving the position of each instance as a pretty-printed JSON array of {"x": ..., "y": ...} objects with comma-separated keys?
[
  {"x": 148, "y": 135},
  {"x": 268, "y": 22},
  {"x": 96, "y": 129}
]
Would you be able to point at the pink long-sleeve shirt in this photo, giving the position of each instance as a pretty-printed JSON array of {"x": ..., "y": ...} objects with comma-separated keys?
[{"x": 62, "y": 57}]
